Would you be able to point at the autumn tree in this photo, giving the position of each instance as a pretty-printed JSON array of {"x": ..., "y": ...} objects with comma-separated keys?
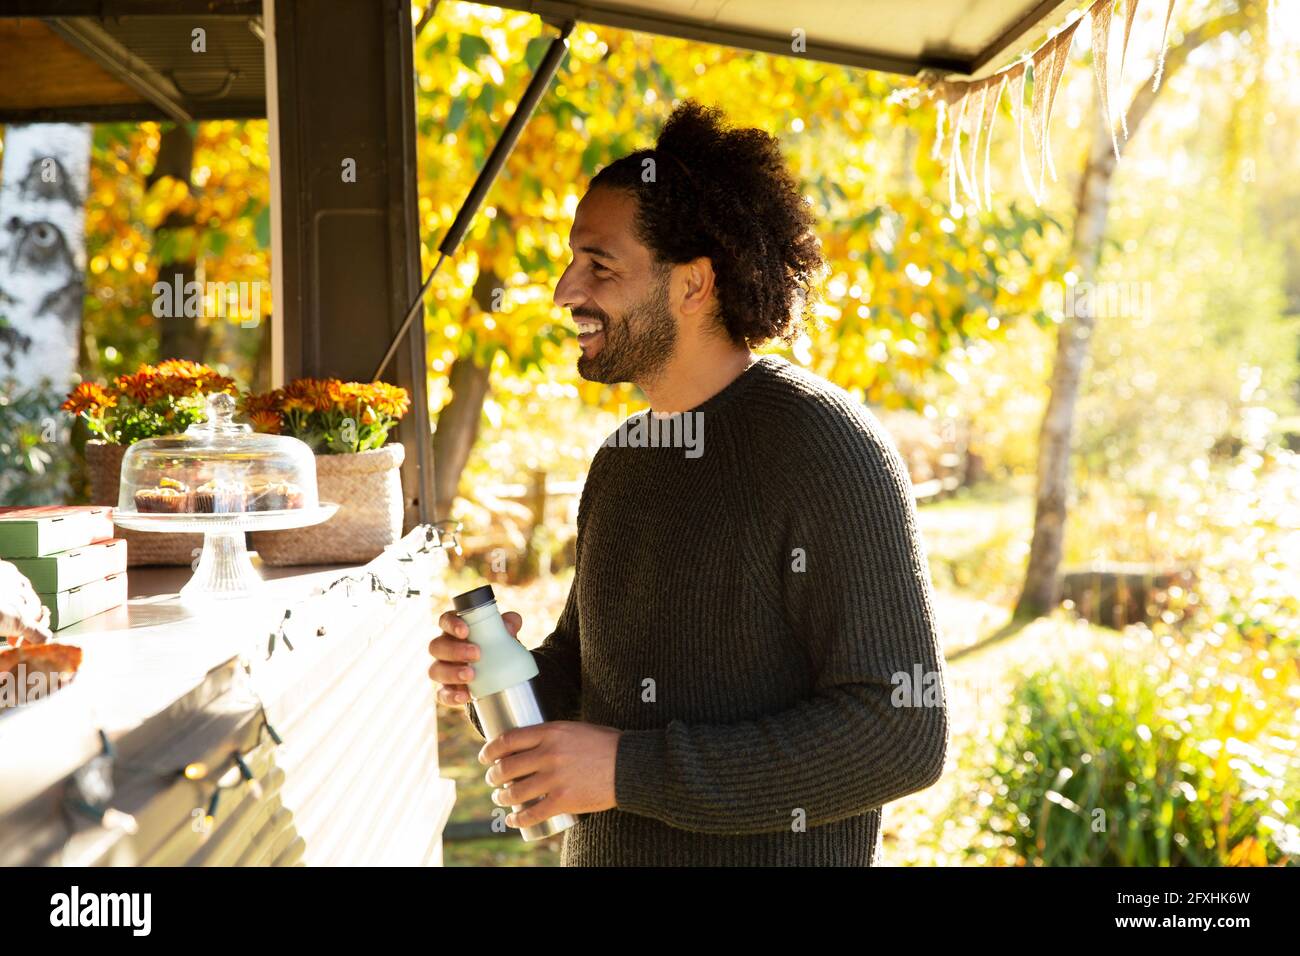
[{"x": 1087, "y": 239}]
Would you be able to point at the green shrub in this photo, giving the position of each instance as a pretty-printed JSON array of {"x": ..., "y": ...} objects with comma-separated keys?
[{"x": 1161, "y": 753}]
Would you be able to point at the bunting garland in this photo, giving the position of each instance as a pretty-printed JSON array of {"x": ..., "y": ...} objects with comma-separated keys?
[
  {"x": 979, "y": 114},
  {"x": 990, "y": 116},
  {"x": 1101, "y": 16},
  {"x": 1164, "y": 40},
  {"x": 1062, "y": 48},
  {"x": 1130, "y": 13},
  {"x": 1017, "y": 82},
  {"x": 1041, "y": 64},
  {"x": 970, "y": 108}
]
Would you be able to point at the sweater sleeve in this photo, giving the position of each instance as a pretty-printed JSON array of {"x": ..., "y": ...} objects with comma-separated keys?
[{"x": 875, "y": 726}]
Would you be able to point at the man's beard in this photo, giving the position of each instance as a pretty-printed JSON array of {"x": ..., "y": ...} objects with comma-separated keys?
[{"x": 638, "y": 345}]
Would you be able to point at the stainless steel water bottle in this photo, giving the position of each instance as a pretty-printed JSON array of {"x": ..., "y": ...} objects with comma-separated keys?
[{"x": 502, "y": 690}]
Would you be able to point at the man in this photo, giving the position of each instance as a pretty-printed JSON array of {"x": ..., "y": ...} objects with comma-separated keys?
[{"x": 747, "y": 665}]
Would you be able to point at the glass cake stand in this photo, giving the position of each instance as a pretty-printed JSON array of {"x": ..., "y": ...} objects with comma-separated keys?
[{"x": 224, "y": 569}]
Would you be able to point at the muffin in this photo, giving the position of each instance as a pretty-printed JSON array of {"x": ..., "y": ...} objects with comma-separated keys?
[
  {"x": 171, "y": 497},
  {"x": 220, "y": 497},
  {"x": 278, "y": 496}
]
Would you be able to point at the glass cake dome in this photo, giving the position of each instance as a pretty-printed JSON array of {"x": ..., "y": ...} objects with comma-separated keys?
[{"x": 218, "y": 466}]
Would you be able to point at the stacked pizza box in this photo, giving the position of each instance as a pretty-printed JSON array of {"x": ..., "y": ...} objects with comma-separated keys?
[{"x": 71, "y": 557}]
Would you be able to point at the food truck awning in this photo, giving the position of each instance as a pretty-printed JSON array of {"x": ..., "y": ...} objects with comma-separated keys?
[
  {"x": 967, "y": 37},
  {"x": 88, "y": 60}
]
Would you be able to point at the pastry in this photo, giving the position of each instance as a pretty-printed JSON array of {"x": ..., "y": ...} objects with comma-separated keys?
[
  {"x": 57, "y": 663},
  {"x": 170, "y": 496},
  {"x": 278, "y": 496},
  {"x": 220, "y": 497}
]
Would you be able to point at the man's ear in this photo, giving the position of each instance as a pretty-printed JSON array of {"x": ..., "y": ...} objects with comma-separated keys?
[{"x": 695, "y": 287}]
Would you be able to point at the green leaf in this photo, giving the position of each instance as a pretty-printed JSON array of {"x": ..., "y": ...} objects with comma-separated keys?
[
  {"x": 164, "y": 246},
  {"x": 262, "y": 227},
  {"x": 471, "y": 48},
  {"x": 591, "y": 156},
  {"x": 535, "y": 51},
  {"x": 456, "y": 115}
]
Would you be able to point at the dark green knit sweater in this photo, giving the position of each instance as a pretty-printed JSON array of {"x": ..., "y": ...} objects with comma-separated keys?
[{"x": 758, "y": 620}]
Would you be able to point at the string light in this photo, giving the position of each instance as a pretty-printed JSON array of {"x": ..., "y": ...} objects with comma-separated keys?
[
  {"x": 210, "y": 818},
  {"x": 435, "y": 536},
  {"x": 246, "y": 771}
]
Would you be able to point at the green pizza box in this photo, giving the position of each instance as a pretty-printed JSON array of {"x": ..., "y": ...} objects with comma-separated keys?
[
  {"x": 48, "y": 529},
  {"x": 69, "y": 569},
  {"x": 76, "y": 604}
]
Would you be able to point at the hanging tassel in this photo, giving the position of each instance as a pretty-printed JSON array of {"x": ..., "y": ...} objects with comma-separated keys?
[
  {"x": 1062, "y": 48},
  {"x": 1130, "y": 14},
  {"x": 940, "y": 122},
  {"x": 977, "y": 118},
  {"x": 990, "y": 116},
  {"x": 955, "y": 165},
  {"x": 1042, "y": 65},
  {"x": 1164, "y": 46},
  {"x": 949, "y": 94},
  {"x": 1016, "y": 79},
  {"x": 1101, "y": 15}
]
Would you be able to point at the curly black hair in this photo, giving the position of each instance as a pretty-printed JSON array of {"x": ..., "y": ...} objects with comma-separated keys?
[{"x": 710, "y": 189}]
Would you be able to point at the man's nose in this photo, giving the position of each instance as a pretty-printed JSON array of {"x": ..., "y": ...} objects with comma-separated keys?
[{"x": 568, "y": 291}]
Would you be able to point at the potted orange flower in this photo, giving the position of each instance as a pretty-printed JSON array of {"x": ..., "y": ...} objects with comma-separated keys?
[
  {"x": 347, "y": 425},
  {"x": 162, "y": 399}
]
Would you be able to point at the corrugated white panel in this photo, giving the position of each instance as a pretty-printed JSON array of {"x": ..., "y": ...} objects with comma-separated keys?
[{"x": 355, "y": 782}]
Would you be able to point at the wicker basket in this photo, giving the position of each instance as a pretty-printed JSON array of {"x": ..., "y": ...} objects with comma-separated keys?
[
  {"x": 368, "y": 489},
  {"x": 104, "y": 464}
]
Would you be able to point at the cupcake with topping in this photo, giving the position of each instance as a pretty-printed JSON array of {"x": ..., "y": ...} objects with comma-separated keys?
[
  {"x": 170, "y": 497},
  {"x": 277, "y": 496},
  {"x": 220, "y": 497}
]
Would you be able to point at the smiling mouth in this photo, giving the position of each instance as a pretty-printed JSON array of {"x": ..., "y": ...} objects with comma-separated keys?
[{"x": 590, "y": 332}]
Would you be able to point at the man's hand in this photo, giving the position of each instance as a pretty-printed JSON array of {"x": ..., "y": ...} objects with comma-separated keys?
[
  {"x": 570, "y": 762},
  {"x": 452, "y": 651},
  {"x": 21, "y": 612}
]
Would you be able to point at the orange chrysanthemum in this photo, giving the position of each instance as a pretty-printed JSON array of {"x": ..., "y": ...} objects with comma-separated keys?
[
  {"x": 266, "y": 421},
  {"x": 88, "y": 397}
]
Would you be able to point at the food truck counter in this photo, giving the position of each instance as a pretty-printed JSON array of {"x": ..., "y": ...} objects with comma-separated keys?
[{"x": 297, "y": 726}]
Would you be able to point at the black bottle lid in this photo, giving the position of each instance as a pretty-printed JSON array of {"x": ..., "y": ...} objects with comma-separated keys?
[{"x": 475, "y": 597}]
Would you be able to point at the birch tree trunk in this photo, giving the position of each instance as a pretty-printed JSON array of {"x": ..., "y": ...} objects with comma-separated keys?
[
  {"x": 43, "y": 185},
  {"x": 1042, "y": 588}
]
